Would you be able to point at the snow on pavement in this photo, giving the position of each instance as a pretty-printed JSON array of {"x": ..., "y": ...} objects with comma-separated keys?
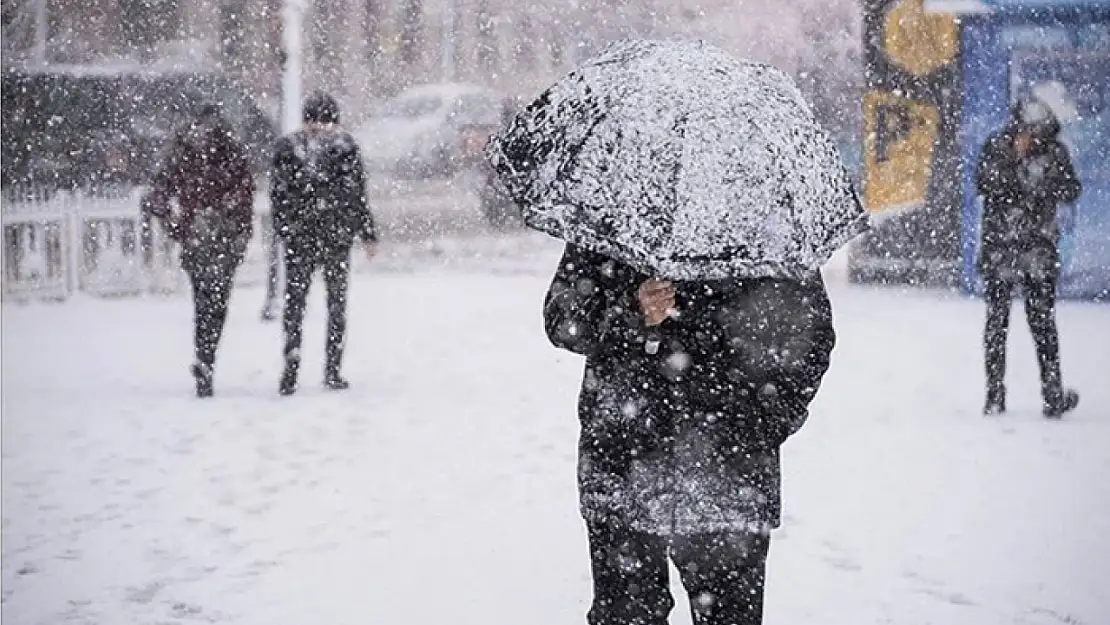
[{"x": 441, "y": 487}]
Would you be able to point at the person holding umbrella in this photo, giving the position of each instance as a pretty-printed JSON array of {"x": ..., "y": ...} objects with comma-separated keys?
[{"x": 698, "y": 199}]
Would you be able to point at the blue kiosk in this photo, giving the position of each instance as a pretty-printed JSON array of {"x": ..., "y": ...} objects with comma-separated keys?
[
  {"x": 1058, "y": 51},
  {"x": 942, "y": 76}
]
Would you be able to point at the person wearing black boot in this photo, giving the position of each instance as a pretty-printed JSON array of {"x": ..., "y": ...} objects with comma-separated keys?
[
  {"x": 1024, "y": 173},
  {"x": 318, "y": 194},
  {"x": 207, "y": 170}
]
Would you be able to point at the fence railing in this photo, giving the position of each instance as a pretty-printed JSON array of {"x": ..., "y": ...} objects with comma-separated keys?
[{"x": 99, "y": 243}]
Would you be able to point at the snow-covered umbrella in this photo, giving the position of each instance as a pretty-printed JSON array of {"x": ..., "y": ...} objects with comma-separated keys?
[{"x": 683, "y": 161}]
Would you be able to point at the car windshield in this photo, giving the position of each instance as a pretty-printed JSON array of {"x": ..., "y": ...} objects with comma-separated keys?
[
  {"x": 412, "y": 107},
  {"x": 476, "y": 109}
]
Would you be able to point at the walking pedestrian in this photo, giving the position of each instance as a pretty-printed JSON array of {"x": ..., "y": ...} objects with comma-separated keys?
[
  {"x": 1024, "y": 174},
  {"x": 207, "y": 171},
  {"x": 318, "y": 194}
]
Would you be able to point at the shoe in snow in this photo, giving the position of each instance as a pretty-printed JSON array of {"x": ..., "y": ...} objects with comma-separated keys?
[
  {"x": 336, "y": 382},
  {"x": 1064, "y": 402},
  {"x": 996, "y": 402},
  {"x": 288, "y": 384},
  {"x": 202, "y": 375}
]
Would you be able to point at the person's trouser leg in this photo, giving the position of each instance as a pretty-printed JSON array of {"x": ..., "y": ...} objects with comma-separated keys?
[
  {"x": 337, "y": 280},
  {"x": 211, "y": 297},
  {"x": 630, "y": 577},
  {"x": 997, "y": 294},
  {"x": 724, "y": 575},
  {"x": 298, "y": 277},
  {"x": 1040, "y": 311}
]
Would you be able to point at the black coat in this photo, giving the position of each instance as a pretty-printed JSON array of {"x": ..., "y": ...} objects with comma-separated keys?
[
  {"x": 681, "y": 424},
  {"x": 1020, "y": 235},
  {"x": 318, "y": 191},
  {"x": 208, "y": 172}
]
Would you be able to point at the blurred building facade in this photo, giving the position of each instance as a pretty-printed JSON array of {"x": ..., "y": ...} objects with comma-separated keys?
[
  {"x": 357, "y": 49},
  {"x": 362, "y": 50}
]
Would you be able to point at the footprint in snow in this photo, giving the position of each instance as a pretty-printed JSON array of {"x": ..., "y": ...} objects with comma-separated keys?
[
  {"x": 955, "y": 598},
  {"x": 1061, "y": 619},
  {"x": 145, "y": 594},
  {"x": 843, "y": 563}
]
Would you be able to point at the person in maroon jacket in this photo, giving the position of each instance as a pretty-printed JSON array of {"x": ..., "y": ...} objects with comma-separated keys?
[{"x": 207, "y": 171}]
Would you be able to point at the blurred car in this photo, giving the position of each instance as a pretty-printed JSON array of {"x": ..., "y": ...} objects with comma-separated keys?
[
  {"x": 431, "y": 131},
  {"x": 80, "y": 127}
]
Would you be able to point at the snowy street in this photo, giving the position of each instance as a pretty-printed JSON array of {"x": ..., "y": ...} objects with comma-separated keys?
[{"x": 441, "y": 487}]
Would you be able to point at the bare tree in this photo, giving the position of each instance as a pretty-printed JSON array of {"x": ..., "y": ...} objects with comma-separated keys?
[
  {"x": 371, "y": 31},
  {"x": 556, "y": 42},
  {"x": 18, "y": 37},
  {"x": 487, "y": 37},
  {"x": 232, "y": 15},
  {"x": 524, "y": 50},
  {"x": 412, "y": 32},
  {"x": 828, "y": 66}
]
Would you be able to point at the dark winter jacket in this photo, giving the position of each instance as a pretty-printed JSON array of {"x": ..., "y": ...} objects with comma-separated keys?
[
  {"x": 318, "y": 190},
  {"x": 681, "y": 424},
  {"x": 1020, "y": 235},
  {"x": 207, "y": 171}
]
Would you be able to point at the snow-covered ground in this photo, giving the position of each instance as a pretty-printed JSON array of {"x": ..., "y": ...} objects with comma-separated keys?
[{"x": 440, "y": 489}]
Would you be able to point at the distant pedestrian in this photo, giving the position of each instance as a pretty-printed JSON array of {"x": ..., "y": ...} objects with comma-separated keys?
[
  {"x": 1024, "y": 173},
  {"x": 318, "y": 193},
  {"x": 207, "y": 171}
]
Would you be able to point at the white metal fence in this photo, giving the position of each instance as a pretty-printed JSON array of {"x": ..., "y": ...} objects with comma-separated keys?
[{"x": 98, "y": 243}]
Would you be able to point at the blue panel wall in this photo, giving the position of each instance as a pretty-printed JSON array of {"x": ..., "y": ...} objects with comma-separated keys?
[{"x": 1002, "y": 54}]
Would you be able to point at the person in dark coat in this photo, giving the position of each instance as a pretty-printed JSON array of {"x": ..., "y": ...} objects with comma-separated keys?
[
  {"x": 208, "y": 172},
  {"x": 1024, "y": 173},
  {"x": 689, "y": 390},
  {"x": 318, "y": 194}
]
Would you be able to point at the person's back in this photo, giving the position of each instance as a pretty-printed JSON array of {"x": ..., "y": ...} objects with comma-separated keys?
[
  {"x": 207, "y": 171},
  {"x": 689, "y": 390}
]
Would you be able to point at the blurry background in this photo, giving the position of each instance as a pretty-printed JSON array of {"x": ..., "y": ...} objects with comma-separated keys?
[
  {"x": 909, "y": 89},
  {"x": 364, "y": 50},
  {"x": 93, "y": 89}
]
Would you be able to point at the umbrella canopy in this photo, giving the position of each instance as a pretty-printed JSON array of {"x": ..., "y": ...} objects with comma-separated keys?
[{"x": 683, "y": 162}]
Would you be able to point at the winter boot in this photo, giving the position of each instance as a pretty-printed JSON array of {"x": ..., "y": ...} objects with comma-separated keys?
[
  {"x": 335, "y": 382},
  {"x": 1059, "y": 403},
  {"x": 996, "y": 401},
  {"x": 202, "y": 375},
  {"x": 288, "y": 384}
]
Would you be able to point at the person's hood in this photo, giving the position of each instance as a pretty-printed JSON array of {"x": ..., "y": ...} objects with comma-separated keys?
[{"x": 1035, "y": 117}]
